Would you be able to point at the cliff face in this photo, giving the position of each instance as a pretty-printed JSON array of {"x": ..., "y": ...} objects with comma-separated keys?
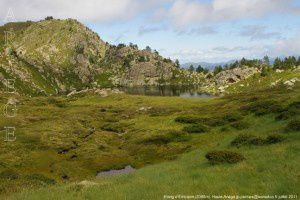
[
  {"x": 54, "y": 56},
  {"x": 138, "y": 67}
]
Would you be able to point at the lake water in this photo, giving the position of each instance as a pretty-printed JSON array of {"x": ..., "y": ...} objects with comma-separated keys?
[
  {"x": 181, "y": 91},
  {"x": 128, "y": 169}
]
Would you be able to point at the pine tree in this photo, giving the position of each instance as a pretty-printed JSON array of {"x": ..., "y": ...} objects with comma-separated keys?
[
  {"x": 266, "y": 60},
  {"x": 191, "y": 69},
  {"x": 277, "y": 63},
  {"x": 177, "y": 64},
  {"x": 200, "y": 69},
  {"x": 218, "y": 69}
]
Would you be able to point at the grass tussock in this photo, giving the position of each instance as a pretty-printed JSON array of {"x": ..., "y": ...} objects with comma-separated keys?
[
  {"x": 113, "y": 127},
  {"x": 289, "y": 112},
  {"x": 170, "y": 136},
  {"x": 263, "y": 107},
  {"x": 246, "y": 139},
  {"x": 188, "y": 119},
  {"x": 9, "y": 174},
  {"x": 293, "y": 126},
  {"x": 196, "y": 128},
  {"x": 219, "y": 157},
  {"x": 240, "y": 125}
]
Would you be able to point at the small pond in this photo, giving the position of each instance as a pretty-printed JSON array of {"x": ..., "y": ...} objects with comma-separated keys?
[{"x": 128, "y": 169}]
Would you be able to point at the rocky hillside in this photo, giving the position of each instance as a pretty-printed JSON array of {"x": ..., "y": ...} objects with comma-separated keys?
[
  {"x": 63, "y": 56},
  {"x": 58, "y": 56}
]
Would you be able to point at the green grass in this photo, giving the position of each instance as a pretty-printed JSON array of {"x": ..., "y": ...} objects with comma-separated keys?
[
  {"x": 257, "y": 81},
  {"x": 66, "y": 140},
  {"x": 265, "y": 170}
]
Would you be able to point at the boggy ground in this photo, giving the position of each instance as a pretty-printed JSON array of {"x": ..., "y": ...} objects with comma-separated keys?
[{"x": 62, "y": 140}]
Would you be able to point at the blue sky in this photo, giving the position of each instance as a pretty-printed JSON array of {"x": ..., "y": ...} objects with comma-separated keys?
[{"x": 190, "y": 30}]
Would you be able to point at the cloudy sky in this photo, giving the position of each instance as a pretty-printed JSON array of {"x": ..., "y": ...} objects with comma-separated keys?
[{"x": 190, "y": 30}]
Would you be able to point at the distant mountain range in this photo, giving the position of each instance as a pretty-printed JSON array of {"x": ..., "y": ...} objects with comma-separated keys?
[
  {"x": 206, "y": 65},
  {"x": 211, "y": 66}
]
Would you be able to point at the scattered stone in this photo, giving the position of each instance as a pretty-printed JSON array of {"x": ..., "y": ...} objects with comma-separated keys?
[
  {"x": 143, "y": 109},
  {"x": 279, "y": 71},
  {"x": 275, "y": 83},
  {"x": 290, "y": 83},
  {"x": 102, "y": 92},
  {"x": 234, "y": 75},
  {"x": 87, "y": 183}
]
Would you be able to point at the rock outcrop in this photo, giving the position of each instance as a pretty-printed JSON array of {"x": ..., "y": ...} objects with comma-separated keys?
[{"x": 234, "y": 75}]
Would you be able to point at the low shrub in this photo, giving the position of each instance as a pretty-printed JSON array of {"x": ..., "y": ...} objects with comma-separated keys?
[
  {"x": 171, "y": 136},
  {"x": 263, "y": 107},
  {"x": 293, "y": 126},
  {"x": 273, "y": 139},
  {"x": 245, "y": 139},
  {"x": 196, "y": 128},
  {"x": 160, "y": 111},
  {"x": 195, "y": 120},
  {"x": 214, "y": 121},
  {"x": 295, "y": 105},
  {"x": 224, "y": 129},
  {"x": 218, "y": 157},
  {"x": 240, "y": 125},
  {"x": 289, "y": 112},
  {"x": 57, "y": 102},
  {"x": 9, "y": 174},
  {"x": 257, "y": 141},
  {"x": 233, "y": 117},
  {"x": 242, "y": 140},
  {"x": 285, "y": 115},
  {"x": 187, "y": 119},
  {"x": 113, "y": 127}
]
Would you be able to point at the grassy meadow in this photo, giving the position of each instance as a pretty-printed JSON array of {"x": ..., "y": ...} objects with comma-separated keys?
[{"x": 62, "y": 141}]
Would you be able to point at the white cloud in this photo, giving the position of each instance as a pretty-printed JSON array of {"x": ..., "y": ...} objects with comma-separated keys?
[
  {"x": 151, "y": 29},
  {"x": 86, "y": 11},
  {"x": 285, "y": 47},
  {"x": 184, "y": 12},
  {"x": 259, "y": 32},
  {"x": 218, "y": 53}
]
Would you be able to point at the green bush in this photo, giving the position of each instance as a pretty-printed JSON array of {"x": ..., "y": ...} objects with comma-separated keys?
[
  {"x": 9, "y": 174},
  {"x": 214, "y": 121},
  {"x": 187, "y": 119},
  {"x": 196, "y": 128},
  {"x": 171, "y": 136},
  {"x": 245, "y": 139},
  {"x": 288, "y": 113},
  {"x": 242, "y": 140},
  {"x": 233, "y": 117},
  {"x": 57, "y": 102},
  {"x": 113, "y": 127},
  {"x": 295, "y": 105},
  {"x": 293, "y": 126},
  {"x": 263, "y": 107},
  {"x": 218, "y": 157},
  {"x": 257, "y": 141},
  {"x": 285, "y": 115},
  {"x": 240, "y": 125},
  {"x": 207, "y": 121},
  {"x": 273, "y": 139}
]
